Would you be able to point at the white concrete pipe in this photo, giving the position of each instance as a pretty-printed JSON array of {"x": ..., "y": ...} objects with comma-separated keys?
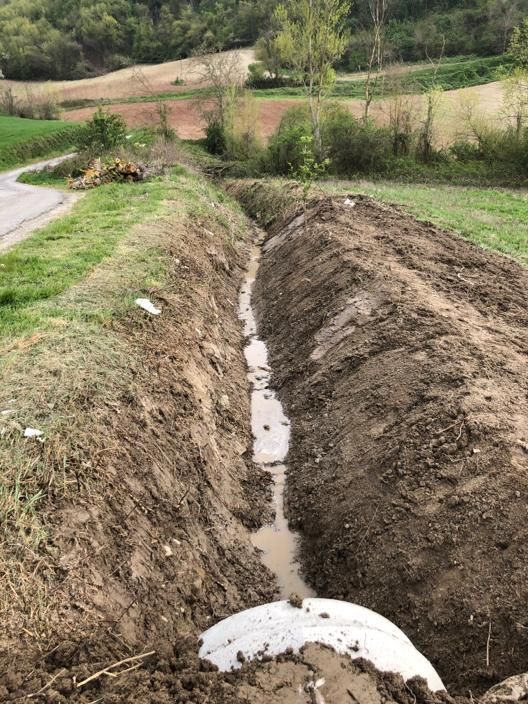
[{"x": 347, "y": 628}]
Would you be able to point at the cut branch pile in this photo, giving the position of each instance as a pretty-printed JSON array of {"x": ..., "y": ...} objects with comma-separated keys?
[{"x": 99, "y": 173}]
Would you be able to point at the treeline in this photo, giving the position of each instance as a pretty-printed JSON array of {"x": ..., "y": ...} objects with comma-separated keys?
[
  {"x": 418, "y": 29},
  {"x": 64, "y": 39}
]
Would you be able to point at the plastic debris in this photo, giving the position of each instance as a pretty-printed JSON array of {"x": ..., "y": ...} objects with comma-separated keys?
[
  {"x": 32, "y": 433},
  {"x": 148, "y": 306},
  {"x": 349, "y": 203}
]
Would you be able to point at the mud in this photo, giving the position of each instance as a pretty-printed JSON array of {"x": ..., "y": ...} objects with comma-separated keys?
[
  {"x": 271, "y": 437},
  {"x": 400, "y": 353}
]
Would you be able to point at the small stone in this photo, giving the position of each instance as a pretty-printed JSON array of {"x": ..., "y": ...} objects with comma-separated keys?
[{"x": 295, "y": 601}]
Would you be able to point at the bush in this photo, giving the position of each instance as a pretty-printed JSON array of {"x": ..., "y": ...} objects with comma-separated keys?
[
  {"x": 284, "y": 152},
  {"x": 215, "y": 138},
  {"x": 464, "y": 151},
  {"x": 258, "y": 79},
  {"x": 354, "y": 146},
  {"x": 103, "y": 132}
]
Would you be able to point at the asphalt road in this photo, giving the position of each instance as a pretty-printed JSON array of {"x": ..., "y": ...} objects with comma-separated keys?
[{"x": 23, "y": 208}]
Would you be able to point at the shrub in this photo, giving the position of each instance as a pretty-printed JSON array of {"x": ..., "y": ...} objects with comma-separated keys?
[
  {"x": 215, "y": 138},
  {"x": 354, "y": 146},
  {"x": 103, "y": 132},
  {"x": 259, "y": 79},
  {"x": 464, "y": 151},
  {"x": 285, "y": 152}
]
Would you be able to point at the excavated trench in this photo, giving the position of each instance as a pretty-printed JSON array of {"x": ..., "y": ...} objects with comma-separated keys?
[
  {"x": 386, "y": 361},
  {"x": 399, "y": 354},
  {"x": 271, "y": 432}
]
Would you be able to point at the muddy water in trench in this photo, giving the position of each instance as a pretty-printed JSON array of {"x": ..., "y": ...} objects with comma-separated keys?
[{"x": 271, "y": 432}]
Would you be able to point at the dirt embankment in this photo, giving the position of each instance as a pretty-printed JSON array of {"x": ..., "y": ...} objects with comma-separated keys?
[
  {"x": 401, "y": 352},
  {"x": 154, "y": 544}
]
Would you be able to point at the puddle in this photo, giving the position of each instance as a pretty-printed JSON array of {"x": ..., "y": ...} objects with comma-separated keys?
[{"x": 271, "y": 432}]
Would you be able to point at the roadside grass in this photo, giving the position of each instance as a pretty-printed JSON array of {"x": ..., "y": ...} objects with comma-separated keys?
[
  {"x": 492, "y": 218},
  {"x": 64, "y": 294},
  {"x": 33, "y": 273},
  {"x": 23, "y": 140}
]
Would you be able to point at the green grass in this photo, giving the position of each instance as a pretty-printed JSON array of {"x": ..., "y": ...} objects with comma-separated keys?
[
  {"x": 22, "y": 140},
  {"x": 64, "y": 294},
  {"x": 494, "y": 219},
  {"x": 462, "y": 74},
  {"x": 36, "y": 271}
]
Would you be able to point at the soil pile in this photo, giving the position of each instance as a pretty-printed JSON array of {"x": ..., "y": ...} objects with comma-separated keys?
[
  {"x": 400, "y": 352},
  {"x": 176, "y": 675},
  {"x": 153, "y": 543}
]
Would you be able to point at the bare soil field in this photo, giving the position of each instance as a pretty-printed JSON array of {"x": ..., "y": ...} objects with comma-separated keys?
[
  {"x": 400, "y": 353},
  {"x": 185, "y": 115},
  {"x": 140, "y": 80},
  {"x": 186, "y": 119}
]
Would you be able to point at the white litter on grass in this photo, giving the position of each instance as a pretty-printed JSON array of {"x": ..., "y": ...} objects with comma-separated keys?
[
  {"x": 148, "y": 306},
  {"x": 32, "y": 433},
  {"x": 349, "y": 203},
  {"x": 7, "y": 412}
]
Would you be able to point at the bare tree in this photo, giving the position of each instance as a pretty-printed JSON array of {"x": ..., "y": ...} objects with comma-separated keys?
[
  {"x": 379, "y": 13},
  {"x": 222, "y": 75},
  {"x": 433, "y": 98}
]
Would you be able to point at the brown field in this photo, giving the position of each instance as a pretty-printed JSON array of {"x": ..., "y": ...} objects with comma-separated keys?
[
  {"x": 146, "y": 80},
  {"x": 137, "y": 80},
  {"x": 186, "y": 119}
]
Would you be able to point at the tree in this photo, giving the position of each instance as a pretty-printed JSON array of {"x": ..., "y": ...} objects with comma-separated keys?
[
  {"x": 518, "y": 48},
  {"x": 506, "y": 13},
  {"x": 379, "y": 12},
  {"x": 312, "y": 38}
]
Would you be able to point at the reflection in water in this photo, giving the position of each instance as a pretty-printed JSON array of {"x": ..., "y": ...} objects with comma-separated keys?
[{"x": 271, "y": 432}]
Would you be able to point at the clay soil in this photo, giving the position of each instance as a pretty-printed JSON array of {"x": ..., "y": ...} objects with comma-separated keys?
[
  {"x": 400, "y": 352},
  {"x": 185, "y": 115}
]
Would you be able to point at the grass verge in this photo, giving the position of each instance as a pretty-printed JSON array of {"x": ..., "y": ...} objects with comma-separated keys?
[
  {"x": 22, "y": 140},
  {"x": 73, "y": 347},
  {"x": 62, "y": 292},
  {"x": 492, "y": 218}
]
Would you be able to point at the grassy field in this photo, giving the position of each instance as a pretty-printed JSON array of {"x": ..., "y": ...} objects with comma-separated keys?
[
  {"x": 416, "y": 80},
  {"x": 22, "y": 140},
  {"x": 494, "y": 219},
  {"x": 412, "y": 79}
]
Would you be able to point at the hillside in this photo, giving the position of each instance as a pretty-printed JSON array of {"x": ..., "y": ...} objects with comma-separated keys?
[{"x": 48, "y": 39}]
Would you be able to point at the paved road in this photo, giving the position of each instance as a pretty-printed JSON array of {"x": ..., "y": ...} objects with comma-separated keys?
[{"x": 23, "y": 208}]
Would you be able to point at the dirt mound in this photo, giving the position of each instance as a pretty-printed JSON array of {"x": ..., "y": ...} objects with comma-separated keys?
[
  {"x": 152, "y": 543},
  {"x": 176, "y": 675},
  {"x": 401, "y": 356}
]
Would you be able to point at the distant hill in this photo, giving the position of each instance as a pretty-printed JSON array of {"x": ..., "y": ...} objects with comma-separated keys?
[{"x": 65, "y": 39}]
